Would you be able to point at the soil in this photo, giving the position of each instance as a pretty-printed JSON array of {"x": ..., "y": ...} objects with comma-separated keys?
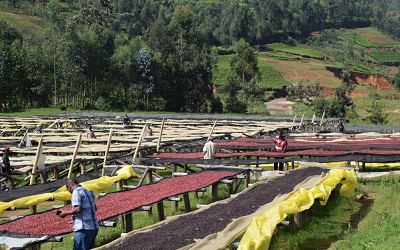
[
  {"x": 314, "y": 70},
  {"x": 380, "y": 40},
  {"x": 280, "y": 106}
]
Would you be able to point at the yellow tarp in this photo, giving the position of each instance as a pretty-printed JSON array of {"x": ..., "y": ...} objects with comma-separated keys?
[
  {"x": 260, "y": 230},
  {"x": 62, "y": 194}
]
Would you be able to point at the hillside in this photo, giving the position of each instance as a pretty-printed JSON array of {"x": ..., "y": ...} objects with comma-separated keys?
[{"x": 103, "y": 53}]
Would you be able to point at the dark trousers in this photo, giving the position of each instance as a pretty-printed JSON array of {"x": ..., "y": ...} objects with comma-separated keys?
[{"x": 278, "y": 165}]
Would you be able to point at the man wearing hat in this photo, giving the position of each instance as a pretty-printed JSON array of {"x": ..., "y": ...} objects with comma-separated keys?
[{"x": 209, "y": 149}]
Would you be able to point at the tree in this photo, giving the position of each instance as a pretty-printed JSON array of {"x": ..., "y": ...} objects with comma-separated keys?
[
  {"x": 143, "y": 64},
  {"x": 244, "y": 61},
  {"x": 304, "y": 92},
  {"x": 377, "y": 115},
  {"x": 341, "y": 102},
  {"x": 231, "y": 89},
  {"x": 396, "y": 81}
]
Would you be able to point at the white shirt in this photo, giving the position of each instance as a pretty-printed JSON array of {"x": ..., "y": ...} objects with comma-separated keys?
[{"x": 210, "y": 149}]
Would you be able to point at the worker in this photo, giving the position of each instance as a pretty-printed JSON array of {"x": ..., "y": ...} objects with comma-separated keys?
[
  {"x": 90, "y": 133},
  {"x": 6, "y": 167},
  {"x": 280, "y": 145},
  {"x": 126, "y": 120},
  {"x": 209, "y": 149},
  {"x": 149, "y": 130},
  {"x": 83, "y": 214}
]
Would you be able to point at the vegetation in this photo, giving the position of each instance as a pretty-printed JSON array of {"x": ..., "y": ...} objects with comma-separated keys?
[
  {"x": 295, "y": 50},
  {"x": 175, "y": 56},
  {"x": 350, "y": 223}
]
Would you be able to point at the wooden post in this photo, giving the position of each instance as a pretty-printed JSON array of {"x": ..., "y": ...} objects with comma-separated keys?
[
  {"x": 33, "y": 209},
  {"x": 106, "y": 152},
  {"x": 23, "y": 138},
  {"x": 323, "y": 114},
  {"x": 128, "y": 222},
  {"x": 160, "y": 135},
  {"x": 212, "y": 129},
  {"x": 139, "y": 143},
  {"x": 214, "y": 192},
  {"x": 35, "y": 163},
  {"x": 186, "y": 200},
  {"x": 51, "y": 126},
  {"x": 302, "y": 117},
  {"x": 78, "y": 144},
  {"x": 149, "y": 176},
  {"x": 160, "y": 208},
  {"x": 294, "y": 119},
  {"x": 246, "y": 184},
  {"x": 297, "y": 221},
  {"x": 56, "y": 173}
]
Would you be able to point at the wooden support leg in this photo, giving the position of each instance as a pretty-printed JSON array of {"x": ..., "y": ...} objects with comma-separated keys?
[
  {"x": 94, "y": 164},
  {"x": 175, "y": 205},
  {"x": 43, "y": 176},
  {"x": 297, "y": 221},
  {"x": 149, "y": 177},
  {"x": 56, "y": 173},
  {"x": 214, "y": 192},
  {"x": 128, "y": 222},
  {"x": 186, "y": 200},
  {"x": 160, "y": 208},
  {"x": 83, "y": 168},
  {"x": 247, "y": 181},
  {"x": 119, "y": 185},
  {"x": 230, "y": 188},
  {"x": 33, "y": 209},
  {"x": 121, "y": 219}
]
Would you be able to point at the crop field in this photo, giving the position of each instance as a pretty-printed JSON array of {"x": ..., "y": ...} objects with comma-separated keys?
[
  {"x": 369, "y": 38},
  {"x": 295, "y": 50},
  {"x": 27, "y": 24},
  {"x": 270, "y": 77},
  {"x": 387, "y": 56}
]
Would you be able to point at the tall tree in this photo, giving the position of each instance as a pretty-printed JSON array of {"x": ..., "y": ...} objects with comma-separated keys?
[{"x": 244, "y": 61}]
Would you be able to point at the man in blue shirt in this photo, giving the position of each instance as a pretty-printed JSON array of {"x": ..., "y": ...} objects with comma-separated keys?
[{"x": 83, "y": 214}]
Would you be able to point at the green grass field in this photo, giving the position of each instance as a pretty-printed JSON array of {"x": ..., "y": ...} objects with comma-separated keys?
[
  {"x": 295, "y": 50},
  {"x": 366, "y": 36},
  {"x": 24, "y": 24}
]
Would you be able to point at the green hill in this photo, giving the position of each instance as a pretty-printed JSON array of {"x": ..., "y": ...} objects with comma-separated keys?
[{"x": 26, "y": 25}]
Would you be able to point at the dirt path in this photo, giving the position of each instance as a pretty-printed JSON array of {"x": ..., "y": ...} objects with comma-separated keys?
[{"x": 280, "y": 106}]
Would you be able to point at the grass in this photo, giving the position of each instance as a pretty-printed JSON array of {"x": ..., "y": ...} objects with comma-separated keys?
[
  {"x": 223, "y": 68},
  {"x": 270, "y": 77},
  {"x": 27, "y": 26},
  {"x": 362, "y": 37},
  {"x": 295, "y": 50},
  {"x": 388, "y": 56},
  {"x": 379, "y": 228},
  {"x": 349, "y": 223},
  {"x": 280, "y": 56}
]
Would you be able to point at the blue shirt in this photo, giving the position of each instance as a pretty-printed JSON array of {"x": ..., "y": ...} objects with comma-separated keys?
[{"x": 86, "y": 219}]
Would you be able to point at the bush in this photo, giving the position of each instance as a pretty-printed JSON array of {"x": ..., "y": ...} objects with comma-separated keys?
[{"x": 63, "y": 107}]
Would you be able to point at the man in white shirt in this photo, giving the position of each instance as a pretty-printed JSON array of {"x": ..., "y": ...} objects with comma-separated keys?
[{"x": 209, "y": 149}]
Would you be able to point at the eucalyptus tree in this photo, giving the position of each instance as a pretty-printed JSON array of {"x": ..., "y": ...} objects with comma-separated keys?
[
  {"x": 55, "y": 30},
  {"x": 244, "y": 62},
  {"x": 190, "y": 62},
  {"x": 145, "y": 75},
  {"x": 11, "y": 66}
]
